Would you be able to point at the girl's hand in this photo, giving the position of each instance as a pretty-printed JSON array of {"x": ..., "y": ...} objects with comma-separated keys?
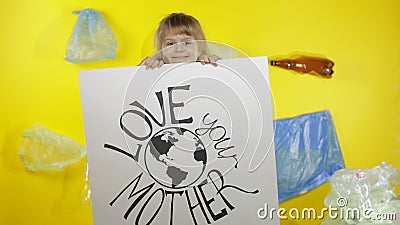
[
  {"x": 205, "y": 59},
  {"x": 151, "y": 63}
]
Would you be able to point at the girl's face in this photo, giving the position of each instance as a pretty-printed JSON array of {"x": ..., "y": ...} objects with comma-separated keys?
[{"x": 177, "y": 48}]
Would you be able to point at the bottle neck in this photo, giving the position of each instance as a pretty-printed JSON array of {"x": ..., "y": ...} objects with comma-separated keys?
[{"x": 281, "y": 63}]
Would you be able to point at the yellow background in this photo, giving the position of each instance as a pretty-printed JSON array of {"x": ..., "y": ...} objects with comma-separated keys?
[{"x": 38, "y": 85}]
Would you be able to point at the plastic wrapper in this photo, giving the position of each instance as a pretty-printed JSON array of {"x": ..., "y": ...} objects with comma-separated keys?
[
  {"x": 75, "y": 189},
  {"x": 87, "y": 192},
  {"x": 371, "y": 192},
  {"x": 92, "y": 38},
  {"x": 44, "y": 150},
  {"x": 307, "y": 153}
]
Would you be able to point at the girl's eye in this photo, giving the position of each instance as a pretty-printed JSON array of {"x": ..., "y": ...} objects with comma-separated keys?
[
  {"x": 169, "y": 43},
  {"x": 188, "y": 43}
]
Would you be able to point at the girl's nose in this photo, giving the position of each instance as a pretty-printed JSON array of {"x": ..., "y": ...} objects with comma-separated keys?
[{"x": 179, "y": 46}]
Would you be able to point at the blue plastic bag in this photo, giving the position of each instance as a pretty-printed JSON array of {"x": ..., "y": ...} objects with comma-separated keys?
[
  {"x": 92, "y": 39},
  {"x": 307, "y": 153}
]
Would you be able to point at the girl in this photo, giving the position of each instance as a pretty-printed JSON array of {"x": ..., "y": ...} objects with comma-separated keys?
[{"x": 180, "y": 39}]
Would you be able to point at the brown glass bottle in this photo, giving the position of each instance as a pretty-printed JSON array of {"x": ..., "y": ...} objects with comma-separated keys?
[{"x": 306, "y": 64}]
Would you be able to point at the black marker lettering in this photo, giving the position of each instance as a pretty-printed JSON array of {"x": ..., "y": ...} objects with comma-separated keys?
[
  {"x": 128, "y": 132},
  {"x": 172, "y": 193},
  {"x": 208, "y": 202},
  {"x": 223, "y": 186},
  {"x": 147, "y": 202},
  {"x": 173, "y": 105},
  {"x": 191, "y": 207}
]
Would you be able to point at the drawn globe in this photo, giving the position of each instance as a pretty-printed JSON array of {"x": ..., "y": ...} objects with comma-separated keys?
[{"x": 175, "y": 157}]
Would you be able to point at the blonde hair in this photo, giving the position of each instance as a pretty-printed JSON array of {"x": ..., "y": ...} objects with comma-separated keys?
[{"x": 178, "y": 23}]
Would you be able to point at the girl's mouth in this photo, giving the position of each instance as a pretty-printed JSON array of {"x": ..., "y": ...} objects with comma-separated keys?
[{"x": 179, "y": 57}]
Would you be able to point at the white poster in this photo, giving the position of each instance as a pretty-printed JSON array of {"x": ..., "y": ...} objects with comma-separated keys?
[{"x": 182, "y": 144}]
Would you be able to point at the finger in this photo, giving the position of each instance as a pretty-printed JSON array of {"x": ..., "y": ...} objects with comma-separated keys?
[
  {"x": 201, "y": 60},
  {"x": 147, "y": 63},
  {"x": 160, "y": 64},
  {"x": 143, "y": 62},
  {"x": 206, "y": 60},
  {"x": 153, "y": 64},
  {"x": 213, "y": 61},
  {"x": 157, "y": 64}
]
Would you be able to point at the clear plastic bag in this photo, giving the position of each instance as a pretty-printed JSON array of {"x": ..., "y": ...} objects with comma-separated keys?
[
  {"x": 307, "y": 153},
  {"x": 44, "y": 150},
  {"x": 92, "y": 39},
  {"x": 369, "y": 191}
]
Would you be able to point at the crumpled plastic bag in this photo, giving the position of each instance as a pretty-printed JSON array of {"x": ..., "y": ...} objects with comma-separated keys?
[
  {"x": 44, "y": 150},
  {"x": 369, "y": 191},
  {"x": 92, "y": 38},
  {"x": 307, "y": 153}
]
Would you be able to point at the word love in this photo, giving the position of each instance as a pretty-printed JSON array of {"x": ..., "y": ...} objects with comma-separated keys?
[{"x": 145, "y": 114}]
